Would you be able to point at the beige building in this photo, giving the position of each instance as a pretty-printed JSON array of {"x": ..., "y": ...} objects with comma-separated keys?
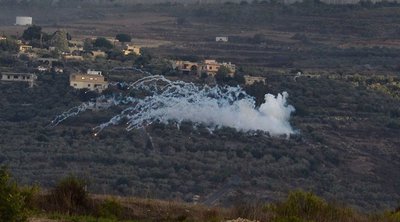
[
  {"x": 131, "y": 49},
  {"x": 211, "y": 67},
  {"x": 24, "y": 48},
  {"x": 92, "y": 80},
  {"x": 250, "y": 80},
  {"x": 19, "y": 77},
  {"x": 185, "y": 66},
  {"x": 73, "y": 57}
]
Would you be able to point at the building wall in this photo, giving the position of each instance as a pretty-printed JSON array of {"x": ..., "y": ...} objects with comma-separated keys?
[
  {"x": 91, "y": 82},
  {"x": 22, "y": 20}
]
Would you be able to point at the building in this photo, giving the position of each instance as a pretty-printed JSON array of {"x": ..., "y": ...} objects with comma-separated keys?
[
  {"x": 250, "y": 80},
  {"x": 221, "y": 39},
  {"x": 73, "y": 57},
  {"x": 24, "y": 48},
  {"x": 185, "y": 66},
  {"x": 19, "y": 77},
  {"x": 211, "y": 67},
  {"x": 23, "y": 20},
  {"x": 131, "y": 49},
  {"x": 92, "y": 80},
  {"x": 2, "y": 38}
]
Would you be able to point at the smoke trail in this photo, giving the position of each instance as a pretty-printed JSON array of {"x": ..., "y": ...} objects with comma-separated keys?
[{"x": 162, "y": 100}]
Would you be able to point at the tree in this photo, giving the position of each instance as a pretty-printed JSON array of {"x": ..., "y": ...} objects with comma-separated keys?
[
  {"x": 122, "y": 37},
  {"x": 87, "y": 44},
  {"x": 102, "y": 42},
  {"x": 8, "y": 45},
  {"x": 70, "y": 195},
  {"x": 32, "y": 33},
  {"x": 222, "y": 74},
  {"x": 60, "y": 41}
]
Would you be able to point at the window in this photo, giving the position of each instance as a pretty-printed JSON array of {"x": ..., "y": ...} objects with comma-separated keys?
[
  {"x": 28, "y": 77},
  {"x": 75, "y": 84},
  {"x": 8, "y": 77},
  {"x": 15, "y": 77},
  {"x": 88, "y": 85}
]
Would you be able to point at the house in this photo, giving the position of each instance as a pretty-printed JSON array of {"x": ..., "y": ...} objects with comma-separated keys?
[
  {"x": 47, "y": 61},
  {"x": 23, "y": 20},
  {"x": 19, "y": 77},
  {"x": 92, "y": 80},
  {"x": 131, "y": 49},
  {"x": 221, "y": 39},
  {"x": 24, "y": 48},
  {"x": 185, "y": 66},
  {"x": 250, "y": 80},
  {"x": 211, "y": 67}
]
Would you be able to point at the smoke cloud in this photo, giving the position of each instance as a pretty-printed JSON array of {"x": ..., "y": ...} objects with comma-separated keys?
[{"x": 168, "y": 101}]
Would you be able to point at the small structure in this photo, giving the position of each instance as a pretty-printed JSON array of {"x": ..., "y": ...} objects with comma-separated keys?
[
  {"x": 92, "y": 80},
  {"x": 30, "y": 78},
  {"x": 221, "y": 39},
  {"x": 211, "y": 67},
  {"x": 250, "y": 80},
  {"x": 2, "y": 38},
  {"x": 23, "y": 20},
  {"x": 24, "y": 48},
  {"x": 58, "y": 70},
  {"x": 47, "y": 61},
  {"x": 98, "y": 53},
  {"x": 43, "y": 68},
  {"x": 73, "y": 57},
  {"x": 185, "y": 67},
  {"x": 131, "y": 49}
]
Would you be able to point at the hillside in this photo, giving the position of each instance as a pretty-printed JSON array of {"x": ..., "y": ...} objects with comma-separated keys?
[{"x": 347, "y": 108}]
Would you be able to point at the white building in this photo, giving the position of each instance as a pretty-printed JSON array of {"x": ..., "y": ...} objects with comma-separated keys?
[
  {"x": 19, "y": 77},
  {"x": 221, "y": 39},
  {"x": 23, "y": 20}
]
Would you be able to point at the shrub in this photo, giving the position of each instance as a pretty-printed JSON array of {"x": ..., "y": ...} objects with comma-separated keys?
[
  {"x": 12, "y": 201},
  {"x": 304, "y": 206},
  {"x": 70, "y": 196},
  {"x": 111, "y": 208}
]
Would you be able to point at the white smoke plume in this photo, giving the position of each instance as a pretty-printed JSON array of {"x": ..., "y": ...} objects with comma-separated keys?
[{"x": 163, "y": 101}]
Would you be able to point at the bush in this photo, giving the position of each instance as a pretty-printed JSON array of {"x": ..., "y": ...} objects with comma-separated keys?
[
  {"x": 304, "y": 206},
  {"x": 111, "y": 208},
  {"x": 70, "y": 196},
  {"x": 12, "y": 201}
]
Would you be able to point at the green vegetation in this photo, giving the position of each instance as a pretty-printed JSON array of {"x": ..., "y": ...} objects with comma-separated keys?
[
  {"x": 102, "y": 43},
  {"x": 122, "y": 37},
  {"x": 13, "y": 199},
  {"x": 299, "y": 206}
]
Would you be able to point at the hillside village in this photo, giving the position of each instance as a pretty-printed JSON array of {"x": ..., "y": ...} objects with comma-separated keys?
[{"x": 58, "y": 53}]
